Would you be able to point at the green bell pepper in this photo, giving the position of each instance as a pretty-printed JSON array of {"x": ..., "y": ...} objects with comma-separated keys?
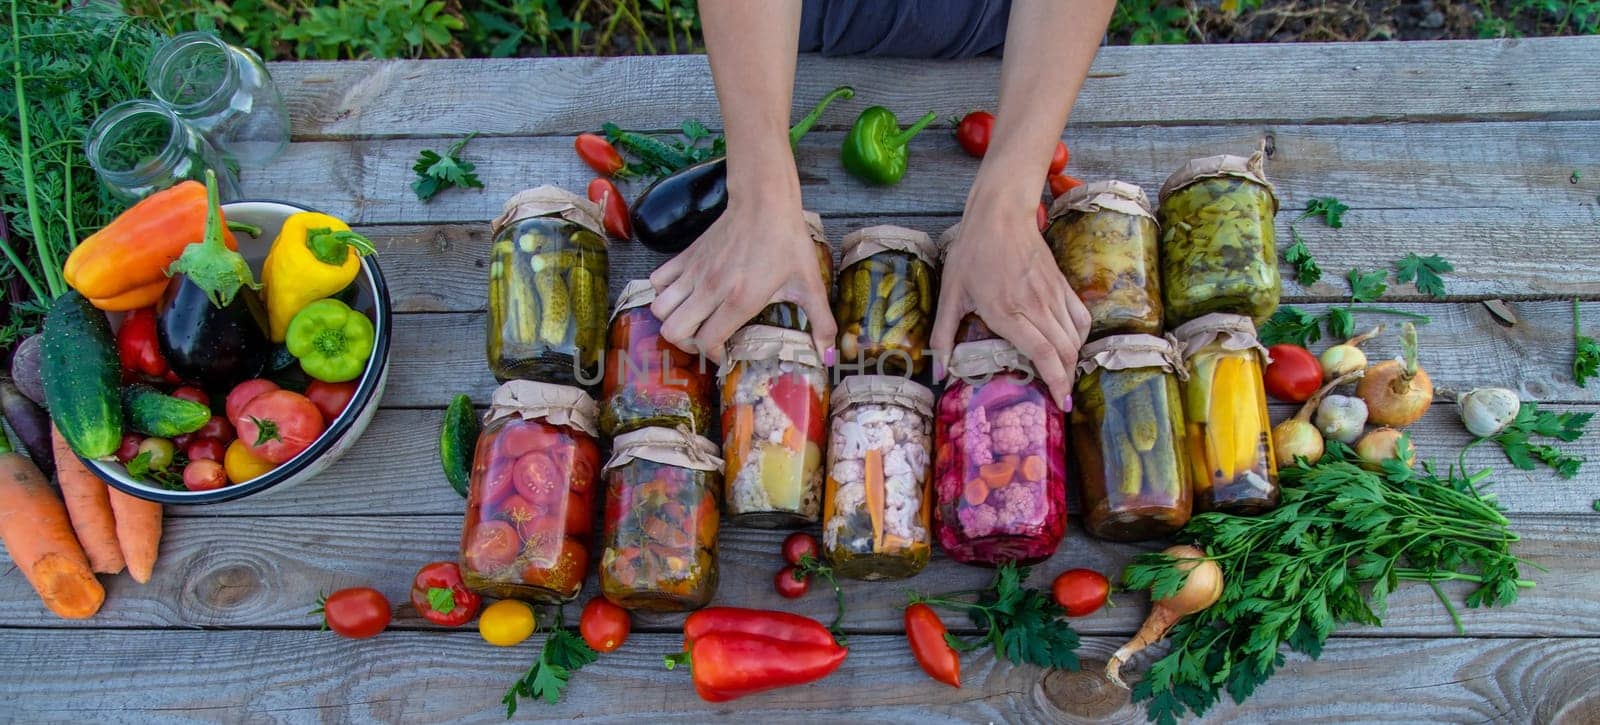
[
  {"x": 332, "y": 341},
  {"x": 875, "y": 149}
]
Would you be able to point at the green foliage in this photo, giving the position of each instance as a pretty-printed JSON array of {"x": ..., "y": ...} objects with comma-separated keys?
[
  {"x": 1366, "y": 286},
  {"x": 1543, "y": 17},
  {"x": 1525, "y": 454},
  {"x": 1585, "y": 352},
  {"x": 436, "y": 172},
  {"x": 374, "y": 29},
  {"x": 1022, "y": 624},
  {"x": 1424, "y": 271},
  {"x": 1151, "y": 22},
  {"x": 563, "y": 653}
]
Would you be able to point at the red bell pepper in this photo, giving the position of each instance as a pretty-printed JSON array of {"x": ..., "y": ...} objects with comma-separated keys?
[
  {"x": 441, "y": 597},
  {"x": 736, "y": 652},
  {"x": 139, "y": 348}
]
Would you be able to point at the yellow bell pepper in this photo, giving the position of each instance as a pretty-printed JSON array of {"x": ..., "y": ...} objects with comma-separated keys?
[{"x": 310, "y": 260}]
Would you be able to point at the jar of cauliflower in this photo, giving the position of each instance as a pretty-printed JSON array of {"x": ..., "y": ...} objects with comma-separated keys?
[
  {"x": 774, "y": 416},
  {"x": 879, "y": 454}
]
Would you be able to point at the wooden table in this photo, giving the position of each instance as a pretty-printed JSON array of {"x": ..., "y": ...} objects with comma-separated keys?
[{"x": 1473, "y": 150}]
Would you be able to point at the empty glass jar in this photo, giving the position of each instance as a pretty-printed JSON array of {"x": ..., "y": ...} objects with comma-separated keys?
[
  {"x": 140, "y": 147},
  {"x": 224, "y": 92}
]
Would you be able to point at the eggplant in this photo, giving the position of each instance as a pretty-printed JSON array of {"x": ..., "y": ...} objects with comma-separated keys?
[
  {"x": 679, "y": 207},
  {"x": 31, "y": 423},
  {"x": 217, "y": 347}
]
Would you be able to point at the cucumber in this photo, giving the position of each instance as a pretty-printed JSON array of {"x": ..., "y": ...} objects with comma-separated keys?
[
  {"x": 152, "y": 412},
  {"x": 457, "y": 441},
  {"x": 81, "y": 374}
]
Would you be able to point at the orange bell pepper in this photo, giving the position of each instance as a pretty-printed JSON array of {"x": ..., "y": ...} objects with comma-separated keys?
[{"x": 124, "y": 265}]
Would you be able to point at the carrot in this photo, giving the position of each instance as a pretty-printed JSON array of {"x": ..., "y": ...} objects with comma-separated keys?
[
  {"x": 89, "y": 506},
  {"x": 38, "y": 536},
  {"x": 874, "y": 484},
  {"x": 138, "y": 531}
]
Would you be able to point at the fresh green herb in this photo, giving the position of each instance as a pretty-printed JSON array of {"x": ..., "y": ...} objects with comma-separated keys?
[
  {"x": 1517, "y": 439},
  {"x": 1292, "y": 325},
  {"x": 811, "y": 566},
  {"x": 1585, "y": 353},
  {"x": 1341, "y": 324},
  {"x": 1576, "y": 176},
  {"x": 563, "y": 653},
  {"x": 1306, "y": 270},
  {"x": 1327, "y": 207},
  {"x": 1341, "y": 541},
  {"x": 659, "y": 155},
  {"x": 1597, "y": 504},
  {"x": 1425, "y": 270},
  {"x": 436, "y": 173},
  {"x": 1022, "y": 624},
  {"x": 1366, "y": 286},
  {"x": 139, "y": 469}
]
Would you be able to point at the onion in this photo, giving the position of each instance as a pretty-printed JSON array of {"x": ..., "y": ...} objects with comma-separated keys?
[
  {"x": 1397, "y": 392},
  {"x": 1201, "y": 589},
  {"x": 1347, "y": 357},
  {"x": 1486, "y": 411},
  {"x": 1382, "y": 445},
  {"x": 1296, "y": 437},
  {"x": 1342, "y": 418}
]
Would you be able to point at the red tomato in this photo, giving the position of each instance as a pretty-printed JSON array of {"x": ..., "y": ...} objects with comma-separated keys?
[
  {"x": 613, "y": 208},
  {"x": 1042, "y": 217},
  {"x": 538, "y": 479},
  {"x": 1080, "y": 591},
  {"x": 331, "y": 398},
  {"x": 204, "y": 475},
  {"x": 604, "y": 625},
  {"x": 799, "y": 545},
  {"x": 973, "y": 133},
  {"x": 497, "y": 482},
  {"x": 598, "y": 153},
  {"x": 244, "y": 393},
  {"x": 788, "y": 586},
  {"x": 516, "y": 510},
  {"x": 129, "y": 447},
  {"x": 1061, "y": 184},
  {"x": 279, "y": 424},
  {"x": 585, "y": 461},
  {"x": 218, "y": 428},
  {"x": 205, "y": 449},
  {"x": 1058, "y": 160},
  {"x": 356, "y": 613},
  {"x": 491, "y": 546},
  {"x": 519, "y": 438},
  {"x": 192, "y": 393},
  {"x": 580, "y": 515},
  {"x": 441, "y": 597},
  {"x": 1294, "y": 373},
  {"x": 570, "y": 567}
]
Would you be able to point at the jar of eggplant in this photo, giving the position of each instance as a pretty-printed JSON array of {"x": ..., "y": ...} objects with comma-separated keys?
[
  {"x": 774, "y": 416},
  {"x": 886, "y": 292},
  {"x": 875, "y": 524},
  {"x": 1218, "y": 244},
  {"x": 1000, "y": 468},
  {"x": 1106, "y": 243},
  {"x": 647, "y": 380},
  {"x": 547, "y": 289},
  {"x": 660, "y": 539},
  {"x": 530, "y": 502},
  {"x": 1229, "y": 436},
  {"x": 789, "y": 314}
]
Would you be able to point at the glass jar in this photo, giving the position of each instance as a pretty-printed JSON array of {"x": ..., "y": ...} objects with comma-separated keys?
[
  {"x": 789, "y": 314},
  {"x": 1218, "y": 244},
  {"x": 1229, "y": 436},
  {"x": 140, "y": 147},
  {"x": 530, "y": 501},
  {"x": 648, "y": 381},
  {"x": 879, "y": 456},
  {"x": 547, "y": 289},
  {"x": 1000, "y": 468},
  {"x": 1106, "y": 243},
  {"x": 774, "y": 416},
  {"x": 1127, "y": 424},
  {"x": 660, "y": 542},
  {"x": 225, "y": 92},
  {"x": 886, "y": 292}
]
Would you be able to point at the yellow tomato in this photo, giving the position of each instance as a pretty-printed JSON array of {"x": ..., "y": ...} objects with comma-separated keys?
[
  {"x": 241, "y": 465},
  {"x": 506, "y": 623}
]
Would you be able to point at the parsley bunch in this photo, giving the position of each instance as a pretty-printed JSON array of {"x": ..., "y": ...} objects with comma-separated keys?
[
  {"x": 1342, "y": 540},
  {"x": 1024, "y": 625},
  {"x": 563, "y": 653},
  {"x": 1306, "y": 270},
  {"x": 1585, "y": 353},
  {"x": 1516, "y": 439},
  {"x": 435, "y": 173}
]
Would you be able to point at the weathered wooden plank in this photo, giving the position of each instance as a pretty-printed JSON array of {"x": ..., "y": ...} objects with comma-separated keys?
[
  {"x": 1381, "y": 166},
  {"x": 1218, "y": 84},
  {"x": 267, "y": 571},
  {"x": 162, "y": 676}
]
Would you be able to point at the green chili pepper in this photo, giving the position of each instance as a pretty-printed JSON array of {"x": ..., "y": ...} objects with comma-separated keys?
[
  {"x": 875, "y": 149},
  {"x": 332, "y": 341}
]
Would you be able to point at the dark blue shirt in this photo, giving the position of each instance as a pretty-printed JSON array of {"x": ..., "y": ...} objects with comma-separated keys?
[{"x": 904, "y": 28}]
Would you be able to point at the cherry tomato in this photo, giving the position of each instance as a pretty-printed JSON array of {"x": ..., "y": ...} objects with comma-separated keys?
[
  {"x": 1042, "y": 216},
  {"x": 973, "y": 133},
  {"x": 1294, "y": 373},
  {"x": 1058, "y": 160},
  {"x": 161, "y": 452},
  {"x": 538, "y": 479},
  {"x": 491, "y": 546},
  {"x": 242, "y": 394},
  {"x": 331, "y": 398},
  {"x": 218, "y": 429},
  {"x": 613, "y": 208},
  {"x": 520, "y": 438},
  {"x": 788, "y": 586},
  {"x": 604, "y": 625},
  {"x": 129, "y": 447},
  {"x": 204, "y": 475},
  {"x": 598, "y": 153},
  {"x": 580, "y": 515},
  {"x": 242, "y": 465},
  {"x": 205, "y": 449},
  {"x": 1061, "y": 184},
  {"x": 192, "y": 393},
  {"x": 798, "y": 545},
  {"x": 356, "y": 613},
  {"x": 926, "y": 633},
  {"x": 279, "y": 424},
  {"x": 571, "y": 565},
  {"x": 1080, "y": 591}
]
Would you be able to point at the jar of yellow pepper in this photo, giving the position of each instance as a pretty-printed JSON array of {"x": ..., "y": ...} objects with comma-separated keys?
[
  {"x": 1229, "y": 437},
  {"x": 1218, "y": 243}
]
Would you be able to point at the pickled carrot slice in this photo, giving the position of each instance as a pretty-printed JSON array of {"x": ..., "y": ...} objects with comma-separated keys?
[{"x": 874, "y": 481}]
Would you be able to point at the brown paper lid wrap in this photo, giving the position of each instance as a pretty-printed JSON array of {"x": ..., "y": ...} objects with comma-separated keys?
[
  {"x": 1252, "y": 168},
  {"x": 883, "y": 390},
  {"x": 1233, "y": 332},
  {"x": 556, "y": 404},
  {"x": 1118, "y": 196},
  {"x": 867, "y": 241},
  {"x": 550, "y": 201},
  {"x": 982, "y": 358},
  {"x": 667, "y": 446},
  {"x": 1126, "y": 352},
  {"x": 814, "y": 226},
  {"x": 947, "y": 237},
  {"x": 765, "y": 342},
  {"x": 636, "y": 293}
]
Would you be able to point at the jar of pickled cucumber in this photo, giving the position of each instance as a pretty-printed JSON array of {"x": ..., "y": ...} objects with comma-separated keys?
[
  {"x": 1106, "y": 243},
  {"x": 1218, "y": 244},
  {"x": 647, "y": 380},
  {"x": 880, "y": 444},
  {"x": 886, "y": 292},
  {"x": 660, "y": 540},
  {"x": 547, "y": 289},
  {"x": 774, "y": 419},
  {"x": 789, "y": 314},
  {"x": 1127, "y": 433},
  {"x": 530, "y": 501},
  {"x": 1229, "y": 436},
  {"x": 1000, "y": 463}
]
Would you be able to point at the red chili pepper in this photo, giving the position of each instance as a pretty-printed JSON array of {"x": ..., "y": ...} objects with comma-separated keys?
[
  {"x": 598, "y": 153},
  {"x": 138, "y": 346},
  {"x": 736, "y": 652},
  {"x": 441, "y": 597},
  {"x": 613, "y": 207},
  {"x": 926, "y": 633}
]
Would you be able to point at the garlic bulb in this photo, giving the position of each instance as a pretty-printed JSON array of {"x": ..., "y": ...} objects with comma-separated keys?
[
  {"x": 1487, "y": 411},
  {"x": 1342, "y": 417}
]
